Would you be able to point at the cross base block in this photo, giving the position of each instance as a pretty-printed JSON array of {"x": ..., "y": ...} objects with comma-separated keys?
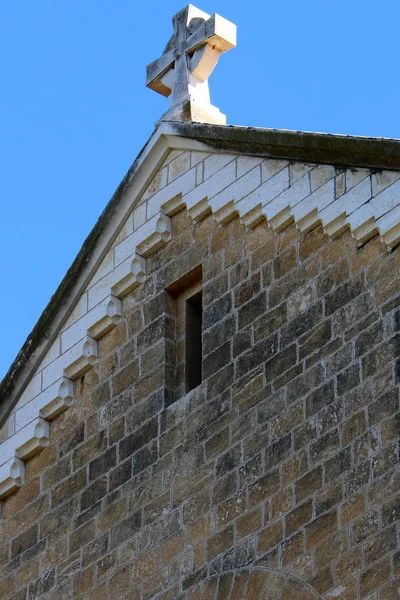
[{"x": 189, "y": 110}]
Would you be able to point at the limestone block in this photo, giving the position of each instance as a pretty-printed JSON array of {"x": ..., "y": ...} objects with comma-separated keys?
[
  {"x": 226, "y": 213},
  {"x": 8, "y": 428},
  {"x": 386, "y": 200},
  {"x": 196, "y": 157},
  {"x": 32, "y": 438},
  {"x": 178, "y": 166},
  {"x": 199, "y": 173},
  {"x": 139, "y": 216},
  {"x": 210, "y": 188},
  {"x": 96, "y": 322},
  {"x": 62, "y": 399},
  {"x": 363, "y": 223},
  {"x": 52, "y": 354},
  {"x": 340, "y": 184},
  {"x": 160, "y": 235},
  {"x": 12, "y": 476},
  {"x": 145, "y": 240},
  {"x": 237, "y": 190},
  {"x": 278, "y": 212},
  {"x": 179, "y": 187},
  {"x": 83, "y": 356},
  {"x": 50, "y": 403},
  {"x": 33, "y": 388},
  {"x": 281, "y": 219},
  {"x": 321, "y": 175},
  {"x": 129, "y": 275},
  {"x": 389, "y": 227},
  {"x": 381, "y": 181},
  {"x": 251, "y": 216},
  {"x": 246, "y": 164},
  {"x": 273, "y": 187},
  {"x": 109, "y": 320},
  {"x": 101, "y": 289},
  {"x": 306, "y": 212},
  {"x": 271, "y": 167},
  {"x": 171, "y": 156},
  {"x": 26, "y": 442},
  {"x": 127, "y": 247},
  {"x": 298, "y": 170},
  {"x": 269, "y": 190},
  {"x": 366, "y": 231},
  {"x": 158, "y": 183},
  {"x": 334, "y": 216},
  {"x": 336, "y": 226},
  {"x": 355, "y": 176},
  {"x": 173, "y": 205},
  {"x": 107, "y": 264},
  {"x": 126, "y": 229},
  {"x": 199, "y": 211},
  {"x": 215, "y": 162},
  {"x": 81, "y": 307}
]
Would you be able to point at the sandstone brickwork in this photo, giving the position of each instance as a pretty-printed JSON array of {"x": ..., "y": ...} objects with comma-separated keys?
[{"x": 276, "y": 478}]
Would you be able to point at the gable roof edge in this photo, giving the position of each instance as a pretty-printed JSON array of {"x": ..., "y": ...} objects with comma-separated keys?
[{"x": 335, "y": 149}]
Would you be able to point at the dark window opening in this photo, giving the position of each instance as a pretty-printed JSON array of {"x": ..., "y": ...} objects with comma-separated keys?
[
  {"x": 193, "y": 349},
  {"x": 186, "y": 371}
]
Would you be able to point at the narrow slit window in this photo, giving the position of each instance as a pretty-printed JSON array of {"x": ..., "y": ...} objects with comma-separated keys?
[
  {"x": 187, "y": 295},
  {"x": 193, "y": 350}
]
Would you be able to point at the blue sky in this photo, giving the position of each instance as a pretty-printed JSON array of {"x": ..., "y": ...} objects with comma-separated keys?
[{"x": 74, "y": 111}]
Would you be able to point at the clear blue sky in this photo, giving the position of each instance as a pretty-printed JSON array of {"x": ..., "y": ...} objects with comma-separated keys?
[{"x": 74, "y": 111}]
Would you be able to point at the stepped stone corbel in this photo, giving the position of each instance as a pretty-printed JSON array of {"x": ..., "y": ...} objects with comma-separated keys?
[
  {"x": 87, "y": 357},
  {"x": 129, "y": 275},
  {"x": 252, "y": 216},
  {"x": 158, "y": 238},
  {"x": 390, "y": 234},
  {"x": 63, "y": 399},
  {"x": 200, "y": 210},
  {"x": 32, "y": 438},
  {"x": 226, "y": 213},
  {"x": 112, "y": 318},
  {"x": 12, "y": 476},
  {"x": 280, "y": 220},
  {"x": 50, "y": 403}
]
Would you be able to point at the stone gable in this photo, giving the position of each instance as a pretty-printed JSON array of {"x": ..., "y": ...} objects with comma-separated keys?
[
  {"x": 277, "y": 475},
  {"x": 226, "y": 185}
]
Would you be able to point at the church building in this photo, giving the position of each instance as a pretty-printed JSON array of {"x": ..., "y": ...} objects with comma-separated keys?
[{"x": 208, "y": 407}]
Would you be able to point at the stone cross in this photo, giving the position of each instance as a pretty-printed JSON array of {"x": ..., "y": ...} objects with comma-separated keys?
[{"x": 187, "y": 62}]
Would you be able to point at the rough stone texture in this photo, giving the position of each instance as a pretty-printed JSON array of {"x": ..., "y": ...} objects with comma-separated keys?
[
  {"x": 285, "y": 457},
  {"x": 365, "y": 201}
]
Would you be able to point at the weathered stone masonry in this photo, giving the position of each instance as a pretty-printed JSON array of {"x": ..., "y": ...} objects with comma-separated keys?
[{"x": 285, "y": 458}]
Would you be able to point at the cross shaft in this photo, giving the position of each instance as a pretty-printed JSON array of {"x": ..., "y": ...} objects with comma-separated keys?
[{"x": 189, "y": 59}]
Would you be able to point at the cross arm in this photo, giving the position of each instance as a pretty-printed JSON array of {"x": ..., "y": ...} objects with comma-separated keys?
[
  {"x": 216, "y": 31},
  {"x": 156, "y": 70}
]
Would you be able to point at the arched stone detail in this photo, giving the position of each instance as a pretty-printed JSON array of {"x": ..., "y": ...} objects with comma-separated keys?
[{"x": 256, "y": 583}]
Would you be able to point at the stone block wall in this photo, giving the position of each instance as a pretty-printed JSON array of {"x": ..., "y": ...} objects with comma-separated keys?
[{"x": 276, "y": 478}]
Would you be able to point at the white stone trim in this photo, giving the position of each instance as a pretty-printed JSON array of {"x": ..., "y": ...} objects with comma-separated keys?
[
  {"x": 50, "y": 403},
  {"x": 129, "y": 275},
  {"x": 12, "y": 476},
  {"x": 32, "y": 438}
]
